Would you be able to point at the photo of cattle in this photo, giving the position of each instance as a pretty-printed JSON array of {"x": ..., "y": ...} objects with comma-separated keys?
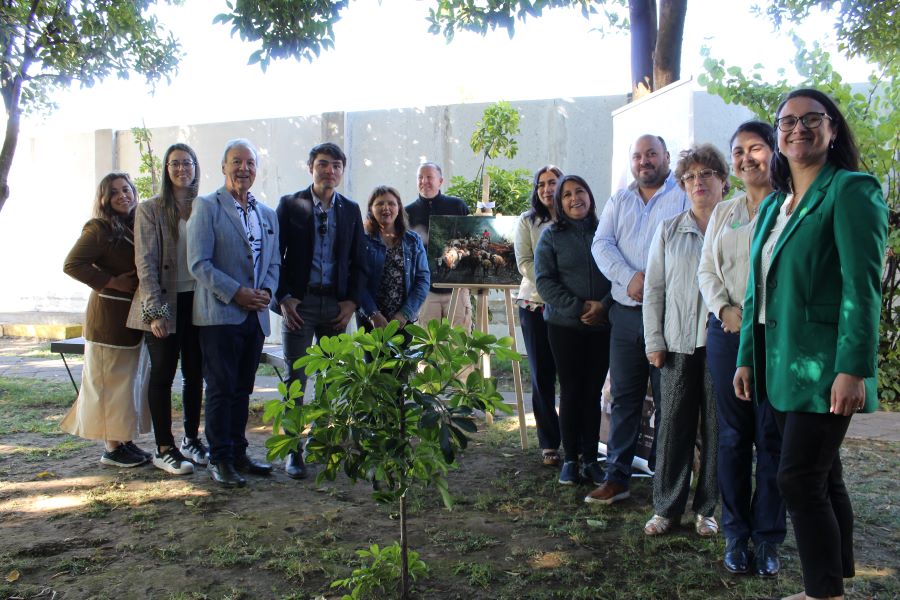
[{"x": 473, "y": 251}]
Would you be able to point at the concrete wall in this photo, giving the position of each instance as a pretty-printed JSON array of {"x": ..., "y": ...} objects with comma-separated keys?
[{"x": 54, "y": 176}]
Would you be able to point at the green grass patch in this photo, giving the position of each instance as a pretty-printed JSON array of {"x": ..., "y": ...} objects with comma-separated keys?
[{"x": 32, "y": 406}]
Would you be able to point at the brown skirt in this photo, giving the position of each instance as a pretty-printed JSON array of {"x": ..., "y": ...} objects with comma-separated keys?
[{"x": 112, "y": 403}]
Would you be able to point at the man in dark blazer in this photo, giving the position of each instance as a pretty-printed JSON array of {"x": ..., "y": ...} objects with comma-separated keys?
[
  {"x": 323, "y": 254},
  {"x": 233, "y": 253}
]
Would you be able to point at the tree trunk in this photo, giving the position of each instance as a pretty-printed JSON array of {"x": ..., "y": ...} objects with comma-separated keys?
[
  {"x": 404, "y": 552},
  {"x": 14, "y": 111},
  {"x": 667, "y": 58},
  {"x": 643, "y": 40}
]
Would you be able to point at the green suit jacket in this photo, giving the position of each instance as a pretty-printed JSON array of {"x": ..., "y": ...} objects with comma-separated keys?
[{"x": 823, "y": 292}]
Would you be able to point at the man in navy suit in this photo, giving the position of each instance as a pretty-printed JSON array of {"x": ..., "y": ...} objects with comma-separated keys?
[
  {"x": 233, "y": 253},
  {"x": 323, "y": 254}
]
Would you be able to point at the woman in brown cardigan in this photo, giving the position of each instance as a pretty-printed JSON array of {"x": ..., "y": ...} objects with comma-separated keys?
[
  {"x": 111, "y": 404},
  {"x": 162, "y": 308}
]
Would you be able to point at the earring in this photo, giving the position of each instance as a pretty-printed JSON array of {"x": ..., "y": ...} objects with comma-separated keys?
[{"x": 831, "y": 145}]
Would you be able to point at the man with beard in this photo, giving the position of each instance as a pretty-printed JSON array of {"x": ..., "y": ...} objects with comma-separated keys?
[{"x": 620, "y": 248}]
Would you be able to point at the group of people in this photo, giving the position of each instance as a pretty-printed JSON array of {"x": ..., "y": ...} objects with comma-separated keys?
[
  {"x": 755, "y": 320},
  {"x": 191, "y": 278}
]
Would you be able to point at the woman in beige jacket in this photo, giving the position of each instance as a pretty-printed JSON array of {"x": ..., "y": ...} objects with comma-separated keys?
[{"x": 163, "y": 306}]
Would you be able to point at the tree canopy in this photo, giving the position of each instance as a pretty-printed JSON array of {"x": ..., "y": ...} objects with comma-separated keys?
[{"x": 48, "y": 44}]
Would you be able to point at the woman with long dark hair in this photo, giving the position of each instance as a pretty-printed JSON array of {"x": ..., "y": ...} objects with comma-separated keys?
[
  {"x": 531, "y": 225},
  {"x": 748, "y": 512},
  {"x": 809, "y": 334},
  {"x": 162, "y": 309},
  {"x": 576, "y": 296},
  {"x": 111, "y": 404}
]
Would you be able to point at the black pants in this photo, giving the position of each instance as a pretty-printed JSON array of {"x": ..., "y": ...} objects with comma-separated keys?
[
  {"x": 543, "y": 377},
  {"x": 230, "y": 358},
  {"x": 810, "y": 478},
  {"x": 164, "y": 355},
  {"x": 582, "y": 360}
]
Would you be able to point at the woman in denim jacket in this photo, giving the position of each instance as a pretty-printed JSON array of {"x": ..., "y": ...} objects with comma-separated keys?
[{"x": 396, "y": 264}]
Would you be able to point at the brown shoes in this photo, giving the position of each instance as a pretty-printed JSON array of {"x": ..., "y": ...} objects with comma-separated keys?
[{"x": 609, "y": 492}]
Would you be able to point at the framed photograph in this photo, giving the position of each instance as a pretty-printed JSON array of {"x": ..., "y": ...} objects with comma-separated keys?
[{"x": 472, "y": 251}]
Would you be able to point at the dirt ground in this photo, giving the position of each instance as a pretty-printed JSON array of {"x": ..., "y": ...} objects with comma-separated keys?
[{"x": 71, "y": 528}]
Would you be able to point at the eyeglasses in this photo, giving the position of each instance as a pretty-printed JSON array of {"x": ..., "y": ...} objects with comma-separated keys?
[
  {"x": 703, "y": 174},
  {"x": 180, "y": 164},
  {"x": 811, "y": 120},
  {"x": 323, "y": 223}
]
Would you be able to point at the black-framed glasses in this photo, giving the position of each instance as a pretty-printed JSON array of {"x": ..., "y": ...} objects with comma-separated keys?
[
  {"x": 323, "y": 223},
  {"x": 811, "y": 120},
  {"x": 703, "y": 174},
  {"x": 180, "y": 164}
]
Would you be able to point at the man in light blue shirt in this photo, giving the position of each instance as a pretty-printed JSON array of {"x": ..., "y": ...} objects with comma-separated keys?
[{"x": 620, "y": 249}]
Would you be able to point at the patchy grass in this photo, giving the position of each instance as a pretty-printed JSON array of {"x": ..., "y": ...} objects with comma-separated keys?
[
  {"x": 32, "y": 406},
  {"x": 513, "y": 534}
]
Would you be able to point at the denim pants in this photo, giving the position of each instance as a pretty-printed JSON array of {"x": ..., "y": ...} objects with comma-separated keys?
[
  {"x": 164, "y": 355},
  {"x": 230, "y": 358},
  {"x": 543, "y": 377},
  {"x": 811, "y": 481},
  {"x": 747, "y": 512},
  {"x": 629, "y": 371},
  {"x": 582, "y": 359}
]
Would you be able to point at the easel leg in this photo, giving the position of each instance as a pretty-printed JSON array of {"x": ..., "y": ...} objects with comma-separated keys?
[
  {"x": 454, "y": 299},
  {"x": 481, "y": 324},
  {"x": 517, "y": 372}
]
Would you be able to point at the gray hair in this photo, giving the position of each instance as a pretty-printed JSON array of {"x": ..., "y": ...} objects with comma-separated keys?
[
  {"x": 242, "y": 142},
  {"x": 432, "y": 164}
]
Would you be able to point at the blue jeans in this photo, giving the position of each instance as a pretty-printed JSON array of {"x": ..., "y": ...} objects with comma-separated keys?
[
  {"x": 629, "y": 370},
  {"x": 317, "y": 313},
  {"x": 543, "y": 377},
  {"x": 230, "y": 358},
  {"x": 746, "y": 513}
]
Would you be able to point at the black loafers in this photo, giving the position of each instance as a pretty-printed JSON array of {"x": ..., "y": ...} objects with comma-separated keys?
[
  {"x": 737, "y": 556},
  {"x": 225, "y": 474},
  {"x": 245, "y": 464},
  {"x": 767, "y": 563},
  {"x": 294, "y": 466}
]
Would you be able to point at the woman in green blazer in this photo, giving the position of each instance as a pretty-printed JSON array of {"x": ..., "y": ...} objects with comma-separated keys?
[{"x": 809, "y": 335}]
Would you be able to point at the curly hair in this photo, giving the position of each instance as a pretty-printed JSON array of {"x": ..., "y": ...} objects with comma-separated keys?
[{"x": 706, "y": 155}]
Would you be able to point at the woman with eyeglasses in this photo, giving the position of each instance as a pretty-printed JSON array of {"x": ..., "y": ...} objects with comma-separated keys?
[
  {"x": 675, "y": 338},
  {"x": 577, "y": 299},
  {"x": 163, "y": 306},
  {"x": 809, "y": 333},
  {"x": 396, "y": 264},
  {"x": 531, "y": 225},
  {"x": 112, "y": 401},
  {"x": 746, "y": 429}
]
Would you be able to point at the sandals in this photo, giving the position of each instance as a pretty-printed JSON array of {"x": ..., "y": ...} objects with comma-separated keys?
[
  {"x": 706, "y": 526},
  {"x": 657, "y": 525},
  {"x": 550, "y": 458}
]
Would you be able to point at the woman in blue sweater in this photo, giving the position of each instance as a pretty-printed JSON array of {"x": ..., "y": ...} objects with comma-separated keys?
[{"x": 576, "y": 296}]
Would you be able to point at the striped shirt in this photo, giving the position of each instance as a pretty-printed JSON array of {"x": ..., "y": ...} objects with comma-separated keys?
[{"x": 622, "y": 241}]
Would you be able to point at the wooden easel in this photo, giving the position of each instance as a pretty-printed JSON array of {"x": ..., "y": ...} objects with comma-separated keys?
[{"x": 481, "y": 324}]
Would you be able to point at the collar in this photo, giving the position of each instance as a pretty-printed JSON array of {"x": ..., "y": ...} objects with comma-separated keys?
[
  {"x": 317, "y": 202},
  {"x": 665, "y": 187},
  {"x": 251, "y": 202}
]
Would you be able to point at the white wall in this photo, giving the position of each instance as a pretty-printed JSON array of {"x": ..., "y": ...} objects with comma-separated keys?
[{"x": 54, "y": 176}]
